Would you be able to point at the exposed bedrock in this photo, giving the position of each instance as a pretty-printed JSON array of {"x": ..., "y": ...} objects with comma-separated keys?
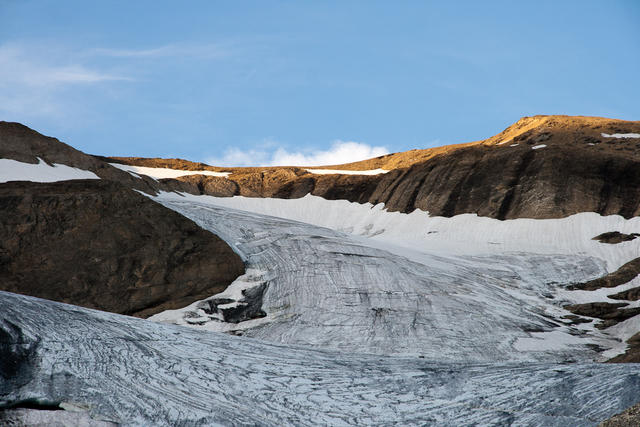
[
  {"x": 516, "y": 182},
  {"x": 628, "y": 418},
  {"x": 632, "y": 355},
  {"x": 98, "y": 244},
  {"x": 613, "y": 237},
  {"x": 622, "y": 275},
  {"x": 610, "y": 313},
  {"x": 18, "y": 142},
  {"x": 541, "y": 167}
]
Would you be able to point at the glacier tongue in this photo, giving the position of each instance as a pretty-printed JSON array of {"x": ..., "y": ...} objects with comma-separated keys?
[
  {"x": 136, "y": 372},
  {"x": 332, "y": 290},
  {"x": 392, "y": 335}
]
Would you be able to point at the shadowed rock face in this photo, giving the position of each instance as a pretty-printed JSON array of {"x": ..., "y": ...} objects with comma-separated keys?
[
  {"x": 541, "y": 167},
  {"x": 98, "y": 244},
  {"x": 614, "y": 237}
]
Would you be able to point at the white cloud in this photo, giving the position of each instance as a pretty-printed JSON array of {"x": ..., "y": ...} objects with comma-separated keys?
[
  {"x": 37, "y": 81},
  {"x": 203, "y": 51},
  {"x": 237, "y": 157},
  {"x": 20, "y": 66},
  {"x": 339, "y": 153}
]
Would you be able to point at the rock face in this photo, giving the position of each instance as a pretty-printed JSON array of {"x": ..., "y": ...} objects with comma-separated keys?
[
  {"x": 18, "y": 142},
  {"x": 98, "y": 244},
  {"x": 632, "y": 355},
  {"x": 622, "y": 275},
  {"x": 540, "y": 167},
  {"x": 628, "y": 418},
  {"x": 614, "y": 237}
]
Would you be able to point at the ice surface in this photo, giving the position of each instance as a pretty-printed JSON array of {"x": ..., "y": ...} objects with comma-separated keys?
[
  {"x": 136, "y": 372},
  {"x": 475, "y": 290},
  {"x": 346, "y": 172},
  {"x": 12, "y": 170},
  {"x": 621, "y": 135},
  {"x": 465, "y": 234},
  {"x": 158, "y": 173}
]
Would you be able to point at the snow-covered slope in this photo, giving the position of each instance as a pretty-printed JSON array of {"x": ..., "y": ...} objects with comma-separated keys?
[
  {"x": 158, "y": 173},
  {"x": 465, "y": 288},
  {"x": 346, "y": 172},
  {"x": 12, "y": 170},
  {"x": 135, "y": 372},
  {"x": 466, "y": 234}
]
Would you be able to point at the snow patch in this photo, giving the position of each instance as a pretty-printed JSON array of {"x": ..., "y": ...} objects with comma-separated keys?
[
  {"x": 346, "y": 172},
  {"x": 621, "y": 135},
  {"x": 13, "y": 170},
  {"x": 538, "y": 146},
  {"x": 159, "y": 173}
]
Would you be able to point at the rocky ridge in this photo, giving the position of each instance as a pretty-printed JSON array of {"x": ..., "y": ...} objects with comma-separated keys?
[
  {"x": 99, "y": 243},
  {"x": 540, "y": 167}
]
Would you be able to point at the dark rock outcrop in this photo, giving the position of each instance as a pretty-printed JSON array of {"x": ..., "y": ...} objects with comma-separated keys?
[
  {"x": 632, "y": 294},
  {"x": 99, "y": 244},
  {"x": 202, "y": 184},
  {"x": 232, "y": 311},
  {"x": 622, "y": 275},
  {"x": 628, "y": 418},
  {"x": 614, "y": 237},
  {"x": 18, "y": 142},
  {"x": 610, "y": 313},
  {"x": 632, "y": 355}
]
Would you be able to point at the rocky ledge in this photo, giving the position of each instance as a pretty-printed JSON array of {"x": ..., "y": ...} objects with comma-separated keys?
[{"x": 540, "y": 167}]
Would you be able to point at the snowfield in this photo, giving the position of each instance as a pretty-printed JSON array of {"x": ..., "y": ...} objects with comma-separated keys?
[
  {"x": 13, "y": 170},
  {"x": 462, "y": 289},
  {"x": 346, "y": 172},
  {"x": 159, "y": 173}
]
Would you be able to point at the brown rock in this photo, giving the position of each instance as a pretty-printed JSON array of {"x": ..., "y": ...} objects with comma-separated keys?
[
  {"x": 613, "y": 237},
  {"x": 632, "y": 355},
  {"x": 501, "y": 177},
  {"x": 20, "y": 143},
  {"x": 624, "y": 274},
  {"x": 201, "y": 184},
  {"x": 610, "y": 313},
  {"x": 632, "y": 294},
  {"x": 628, "y": 418},
  {"x": 601, "y": 310},
  {"x": 98, "y": 244}
]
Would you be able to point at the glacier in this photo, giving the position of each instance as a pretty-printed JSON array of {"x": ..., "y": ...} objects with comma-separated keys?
[
  {"x": 476, "y": 301},
  {"x": 357, "y": 317},
  {"x": 129, "y": 371}
]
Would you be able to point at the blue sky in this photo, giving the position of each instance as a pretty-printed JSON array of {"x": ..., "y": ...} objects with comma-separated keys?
[{"x": 271, "y": 82}]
